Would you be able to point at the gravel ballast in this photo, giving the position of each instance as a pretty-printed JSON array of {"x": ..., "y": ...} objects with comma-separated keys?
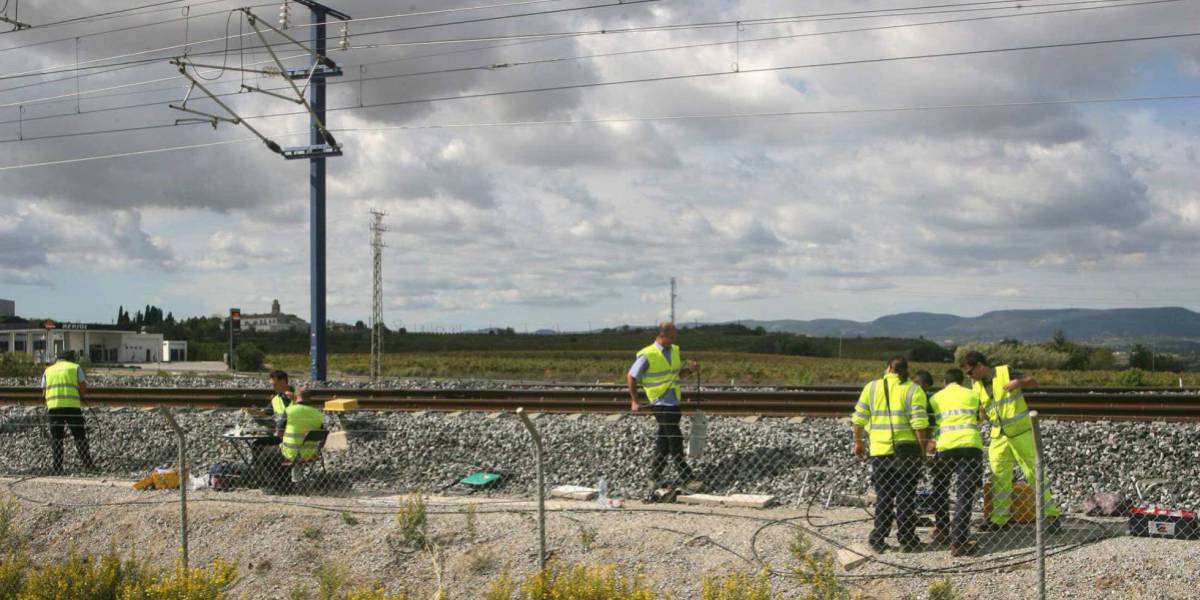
[{"x": 400, "y": 451}]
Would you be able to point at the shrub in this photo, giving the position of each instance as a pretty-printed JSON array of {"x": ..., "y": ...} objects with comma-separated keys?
[
  {"x": 249, "y": 357},
  {"x": 84, "y": 577},
  {"x": 412, "y": 520},
  {"x": 1017, "y": 355},
  {"x": 1129, "y": 378},
  {"x": 585, "y": 582},
  {"x": 737, "y": 586},
  {"x": 331, "y": 578},
  {"x": 18, "y": 364},
  {"x": 10, "y": 539},
  {"x": 943, "y": 589},
  {"x": 816, "y": 569},
  {"x": 587, "y": 537},
  {"x": 187, "y": 584}
]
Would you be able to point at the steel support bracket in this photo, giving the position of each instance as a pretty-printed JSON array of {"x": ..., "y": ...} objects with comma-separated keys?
[
  {"x": 317, "y": 151},
  {"x": 319, "y": 70}
]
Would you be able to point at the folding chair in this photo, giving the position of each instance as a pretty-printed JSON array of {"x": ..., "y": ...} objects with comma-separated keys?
[{"x": 297, "y": 467}]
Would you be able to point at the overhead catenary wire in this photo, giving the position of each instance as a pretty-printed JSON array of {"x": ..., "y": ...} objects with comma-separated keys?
[
  {"x": 493, "y": 66},
  {"x": 468, "y": 69},
  {"x": 66, "y": 68},
  {"x": 69, "y": 67},
  {"x": 590, "y": 122}
]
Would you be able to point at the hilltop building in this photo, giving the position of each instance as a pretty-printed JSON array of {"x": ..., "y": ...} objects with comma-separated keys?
[
  {"x": 8, "y": 308},
  {"x": 274, "y": 321}
]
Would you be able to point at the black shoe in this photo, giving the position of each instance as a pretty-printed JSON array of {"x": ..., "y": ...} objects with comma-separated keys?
[
  {"x": 993, "y": 527},
  {"x": 913, "y": 547},
  {"x": 967, "y": 549},
  {"x": 879, "y": 547}
]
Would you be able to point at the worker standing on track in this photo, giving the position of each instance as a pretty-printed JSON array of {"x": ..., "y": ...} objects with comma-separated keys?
[
  {"x": 959, "y": 447},
  {"x": 894, "y": 412},
  {"x": 1000, "y": 390},
  {"x": 658, "y": 368},
  {"x": 63, "y": 386}
]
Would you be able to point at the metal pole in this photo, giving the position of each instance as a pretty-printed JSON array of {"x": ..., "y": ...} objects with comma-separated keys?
[
  {"x": 183, "y": 481},
  {"x": 541, "y": 489},
  {"x": 1040, "y": 504},
  {"x": 316, "y": 215}
]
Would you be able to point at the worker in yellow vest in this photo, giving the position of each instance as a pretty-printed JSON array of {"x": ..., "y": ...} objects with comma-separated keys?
[
  {"x": 894, "y": 412},
  {"x": 954, "y": 413},
  {"x": 300, "y": 418},
  {"x": 658, "y": 368},
  {"x": 1011, "y": 436},
  {"x": 283, "y": 393},
  {"x": 63, "y": 386}
]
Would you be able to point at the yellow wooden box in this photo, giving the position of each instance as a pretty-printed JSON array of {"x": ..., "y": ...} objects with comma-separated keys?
[{"x": 341, "y": 405}]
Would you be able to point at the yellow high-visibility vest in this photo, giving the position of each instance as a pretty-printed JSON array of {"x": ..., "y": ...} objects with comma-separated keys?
[
  {"x": 1006, "y": 410},
  {"x": 957, "y": 411},
  {"x": 662, "y": 373},
  {"x": 894, "y": 422},
  {"x": 279, "y": 405},
  {"x": 62, "y": 385},
  {"x": 301, "y": 419}
]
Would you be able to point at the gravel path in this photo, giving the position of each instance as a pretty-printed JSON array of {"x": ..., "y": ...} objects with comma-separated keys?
[{"x": 277, "y": 541}]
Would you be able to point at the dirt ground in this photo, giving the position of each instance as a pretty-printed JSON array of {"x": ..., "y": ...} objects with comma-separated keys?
[{"x": 278, "y": 541}]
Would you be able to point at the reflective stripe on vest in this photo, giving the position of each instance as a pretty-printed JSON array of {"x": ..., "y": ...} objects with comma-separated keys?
[
  {"x": 662, "y": 373},
  {"x": 62, "y": 385},
  {"x": 957, "y": 410},
  {"x": 887, "y": 420},
  {"x": 301, "y": 419},
  {"x": 1006, "y": 410}
]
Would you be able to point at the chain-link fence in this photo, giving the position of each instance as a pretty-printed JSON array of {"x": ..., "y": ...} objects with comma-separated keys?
[{"x": 744, "y": 485}]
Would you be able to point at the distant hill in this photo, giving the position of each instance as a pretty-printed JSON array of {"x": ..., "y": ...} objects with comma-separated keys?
[{"x": 1116, "y": 327}]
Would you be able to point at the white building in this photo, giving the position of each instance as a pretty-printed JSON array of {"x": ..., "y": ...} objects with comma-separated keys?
[
  {"x": 8, "y": 308},
  {"x": 97, "y": 343},
  {"x": 274, "y": 321},
  {"x": 174, "y": 351}
]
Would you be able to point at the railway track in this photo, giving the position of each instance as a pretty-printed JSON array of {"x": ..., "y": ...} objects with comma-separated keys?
[{"x": 1128, "y": 404}]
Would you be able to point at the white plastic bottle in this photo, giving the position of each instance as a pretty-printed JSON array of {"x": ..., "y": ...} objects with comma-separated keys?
[{"x": 602, "y": 493}]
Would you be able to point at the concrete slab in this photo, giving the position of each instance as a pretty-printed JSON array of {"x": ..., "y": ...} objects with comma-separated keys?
[
  {"x": 337, "y": 442},
  {"x": 738, "y": 500},
  {"x": 854, "y": 555},
  {"x": 796, "y": 420},
  {"x": 420, "y": 413},
  {"x": 614, "y": 417},
  {"x": 574, "y": 416},
  {"x": 573, "y": 492},
  {"x": 454, "y": 415},
  {"x": 750, "y": 419},
  {"x": 495, "y": 415}
]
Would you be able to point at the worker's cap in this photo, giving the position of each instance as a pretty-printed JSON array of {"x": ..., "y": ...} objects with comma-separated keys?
[{"x": 66, "y": 355}]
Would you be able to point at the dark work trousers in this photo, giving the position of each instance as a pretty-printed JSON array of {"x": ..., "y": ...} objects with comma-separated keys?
[
  {"x": 62, "y": 419},
  {"x": 668, "y": 442},
  {"x": 895, "y": 481},
  {"x": 965, "y": 467}
]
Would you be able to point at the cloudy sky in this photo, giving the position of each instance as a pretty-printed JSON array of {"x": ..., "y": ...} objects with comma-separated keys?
[{"x": 751, "y": 162}]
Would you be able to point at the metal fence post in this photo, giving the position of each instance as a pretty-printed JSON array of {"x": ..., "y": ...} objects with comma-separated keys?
[
  {"x": 1039, "y": 491},
  {"x": 183, "y": 482},
  {"x": 541, "y": 488}
]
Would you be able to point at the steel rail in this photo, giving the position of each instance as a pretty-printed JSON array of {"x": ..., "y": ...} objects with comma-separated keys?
[{"x": 1095, "y": 404}]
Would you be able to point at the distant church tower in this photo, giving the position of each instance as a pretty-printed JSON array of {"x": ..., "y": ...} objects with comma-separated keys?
[{"x": 275, "y": 307}]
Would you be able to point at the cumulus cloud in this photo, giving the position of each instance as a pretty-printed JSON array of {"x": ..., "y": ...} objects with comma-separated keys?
[{"x": 591, "y": 219}]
